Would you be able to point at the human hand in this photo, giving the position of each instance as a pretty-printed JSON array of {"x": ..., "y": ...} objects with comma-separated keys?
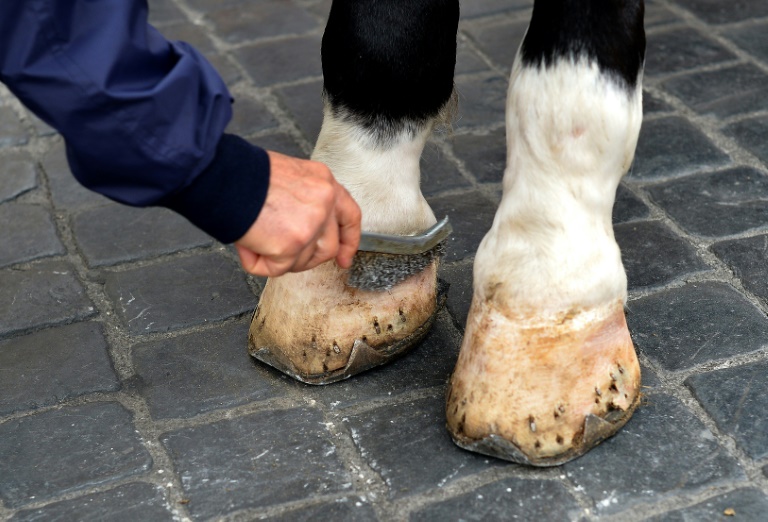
[{"x": 308, "y": 218}]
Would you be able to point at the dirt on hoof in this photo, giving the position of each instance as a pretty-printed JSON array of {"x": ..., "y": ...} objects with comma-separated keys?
[
  {"x": 539, "y": 391},
  {"x": 314, "y": 328}
]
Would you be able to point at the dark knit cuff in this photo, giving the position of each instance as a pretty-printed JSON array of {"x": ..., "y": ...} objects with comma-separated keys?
[{"x": 225, "y": 199}]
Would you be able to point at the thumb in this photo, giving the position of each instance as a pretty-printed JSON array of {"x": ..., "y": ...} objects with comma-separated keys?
[{"x": 248, "y": 259}]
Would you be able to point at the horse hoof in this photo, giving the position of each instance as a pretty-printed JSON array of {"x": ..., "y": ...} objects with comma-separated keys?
[
  {"x": 542, "y": 392},
  {"x": 314, "y": 328}
]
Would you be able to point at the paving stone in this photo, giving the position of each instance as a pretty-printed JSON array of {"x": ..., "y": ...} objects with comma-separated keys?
[
  {"x": 751, "y": 38},
  {"x": 484, "y": 155},
  {"x": 179, "y": 293},
  {"x": 211, "y": 5},
  {"x": 129, "y": 503},
  {"x": 283, "y": 61},
  {"x": 250, "y": 116},
  {"x": 680, "y": 49},
  {"x": 663, "y": 451},
  {"x": 45, "y": 295},
  {"x": 41, "y": 128},
  {"x": 478, "y": 8},
  {"x": 204, "y": 371},
  {"x": 226, "y": 69},
  {"x": 29, "y": 233},
  {"x": 428, "y": 365},
  {"x": 467, "y": 60},
  {"x": 717, "y": 12},
  {"x": 697, "y": 323},
  {"x": 628, "y": 207},
  {"x": 653, "y": 104},
  {"x": 716, "y": 204},
  {"x": 750, "y": 134},
  {"x": 499, "y": 41},
  {"x": 12, "y": 133},
  {"x": 398, "y": 441},
  {"x": 241, "y": 22},
  {"x": 282, "y": 143},
  {"x": 748, "y": 504},
  {"x": 471, "y": 215},
  {"x": 258, "y": 460},
  {"x": 653, "y": 255},
  {"x": 164, "y": 12},
  {"x": 746, "y": 257},
  {"x": 438, "y": 173},
  {"x": 54, "y": 365},
  {"x": 722, "y": 93},
  {"x": 305, "y": 104},
  {"x": 673, "y": 147},
  {"x": 144, "y": 232},
  {"x": 190, "y": 33},
  {"x": 18, "y": 177},
  {"x": 510, "y": 499},
  {"x": 657, "y": 15},
  {"x": 84, "y": 446},
  {"x": 481, "y": 101},
  {"x": 66, "y": 192},
  {"x": 735, "y": 399},
  {"x": 342, "y": 510},
  {"x": 459, "y": 276}
]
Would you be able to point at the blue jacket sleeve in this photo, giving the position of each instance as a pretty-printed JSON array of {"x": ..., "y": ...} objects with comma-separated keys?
[{"x": 143, "y": 118}]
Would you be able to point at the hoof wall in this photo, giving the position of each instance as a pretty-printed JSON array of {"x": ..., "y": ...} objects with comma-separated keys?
[{"x": 362, "y": 357}]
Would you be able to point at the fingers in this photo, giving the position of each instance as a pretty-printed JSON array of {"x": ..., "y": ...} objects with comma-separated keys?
[{"x": 348, "y": 216}]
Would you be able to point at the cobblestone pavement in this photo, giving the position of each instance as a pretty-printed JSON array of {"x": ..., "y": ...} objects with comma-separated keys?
[{"x": 126, "y": 392}]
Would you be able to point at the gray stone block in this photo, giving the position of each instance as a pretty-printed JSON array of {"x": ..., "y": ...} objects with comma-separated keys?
[
  {"x": 243, "y": 22},
  {"x": 746, "y": 257},
  {"x": 67, "y": 450},
  {"x": 438, "y": 173},
  {"x": 117, "y": 233},
  {"x": 18, "y": 176},
  {"x": 282, "y": 143},
  {"x": 697, "y": 323},
  {"x": 482, "y": 101},
  {"x": 459, "y": 276},
  {"x": 484, "y": 155},
  {"x": 190, "y": 33},
  {"x": 27, "y": 233},
  {"x": 249, "y": 116},
  {"x": 163, "y": 12},
  {"x": 286, "y": 60},
  {"x": 735, "y": 398},
  {"x": 717, "y": 204},
  {"x": 179, "y": 293},
  {"x": 722, "y": 93},
  {"x": 45, "y": 295},
  {"x": 66, "y": 192},
  {"x": 746, "y": 504},
  {"x": 305, "y": 105},
  {"x": 663, "y": 451},
  {"x": 471, "y": 215},
  {"x": 653, "y": 255},
  {"x": 478, "y": 8},
  {"x": 652, "y": 104},
  {"x": 12, "y": 132},
  {"x": 509, "y": 499},
  {"x": 129, "y": 503},
  {"x": 53, "y": 365},
  {"x": 680, "y": 49},
  {"x": 657, "y": 15},
  {"x": 260, "y": 460},
  {"x": 499, "y": 41},
  {"x": 342, "y": 510},
  {"x": 192, "y": 374},
  {"x": 717, "y": 12},
  {"x": 750, "y": 134},
  {"x": 751, "y": 38},
  {"x": 673, "y": 147},
  {"x": 408, "y": 446},
  {"x": 467, "y": 60},
  {"x": 628, "y": 207},
  {"x": 428, "y": 365}
]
